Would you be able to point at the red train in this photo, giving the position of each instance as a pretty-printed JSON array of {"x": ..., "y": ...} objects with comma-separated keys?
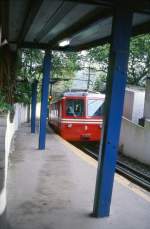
[{"x": 78, "y": 116}]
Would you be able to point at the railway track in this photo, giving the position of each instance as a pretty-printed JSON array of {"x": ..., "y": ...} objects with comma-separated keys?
[{"x": 123, "y": 169}]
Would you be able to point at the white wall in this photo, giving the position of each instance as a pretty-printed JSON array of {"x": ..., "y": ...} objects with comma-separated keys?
[
  {"x": 38, "y": 110},
  {"x": 19, "y": 117},
  {"x": 128, "y": 104},
  {"x": 147, "y": 99},
  {"x": 134, "y": 104},
  {"x": 135, "y": 140},
  {"x": 138, "y": 106}
]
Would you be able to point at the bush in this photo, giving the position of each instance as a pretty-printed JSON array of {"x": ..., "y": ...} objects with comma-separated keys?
[{"x": 4, "y": 106}]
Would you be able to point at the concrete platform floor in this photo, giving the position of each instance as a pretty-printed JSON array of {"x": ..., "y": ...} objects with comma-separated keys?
[{"x": 54, "y": 189}]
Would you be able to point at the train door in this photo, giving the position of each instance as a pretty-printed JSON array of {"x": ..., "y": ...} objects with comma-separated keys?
[{"x": 59, "y": 114}]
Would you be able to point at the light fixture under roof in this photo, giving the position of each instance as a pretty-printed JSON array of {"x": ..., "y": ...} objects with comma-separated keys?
[{"x": 64, "y": 43}]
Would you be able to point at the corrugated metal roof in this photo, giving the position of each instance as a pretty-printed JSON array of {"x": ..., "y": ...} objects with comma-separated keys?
[{"x": 44, "y": 23}]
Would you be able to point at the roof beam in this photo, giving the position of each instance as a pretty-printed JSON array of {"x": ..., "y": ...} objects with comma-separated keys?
[
  {"x": 4, "y": 18},
  {"x": 110, "y": 3},
  {"x": 141, "y": 29},
  {"x": 32, "y": 11},
  {"x": 92, "y": 44},
  {"x": 137, "y": 30},
  {"x": 107, "y": 3},
  {"x": 67, "y": 49},
  {"x": 82, "y": 24},
  {"x": 60, "y": 13},
  {"x": 136, "y": 5},
  {"x": 32, "y": 45}
]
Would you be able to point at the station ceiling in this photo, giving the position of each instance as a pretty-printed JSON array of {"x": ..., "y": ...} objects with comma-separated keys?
[{"x": 86, "y": 23}]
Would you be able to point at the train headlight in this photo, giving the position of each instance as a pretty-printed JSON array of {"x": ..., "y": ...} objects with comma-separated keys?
[
  {"x": 86, "y": 127},
  {"x": 50, "y": 98},
  {"x": 69, "y": 125},
  {"x": 100, "y": 125}
]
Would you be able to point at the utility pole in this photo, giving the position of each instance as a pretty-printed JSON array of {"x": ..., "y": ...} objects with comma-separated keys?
[{"x": 89, "y": 77}]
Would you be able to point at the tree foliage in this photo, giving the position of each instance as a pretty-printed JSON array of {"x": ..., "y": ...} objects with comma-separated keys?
[
  {"x": 30, "y": 68},
  {"x": 139, "y": 60},
  {"x": 99, "y": 57},
  {"x": 15, "y": 85},
  {"x": 64, "y": 64},
  {"x": 7, "y": 73},
  {"x": 138, "y": 65}
]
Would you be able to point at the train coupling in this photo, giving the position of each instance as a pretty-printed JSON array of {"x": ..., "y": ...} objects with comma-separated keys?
[{"x": 85, "y": 136}]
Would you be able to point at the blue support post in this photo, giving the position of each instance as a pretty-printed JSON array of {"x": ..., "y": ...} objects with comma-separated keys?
[
  {"x": 44, "y": 99},
  {"x": 33, "y": 106},
  {"x": 117, "y": 75}
]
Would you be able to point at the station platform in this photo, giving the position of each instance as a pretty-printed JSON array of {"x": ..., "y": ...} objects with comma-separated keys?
[{"x": 54, "y": 189}]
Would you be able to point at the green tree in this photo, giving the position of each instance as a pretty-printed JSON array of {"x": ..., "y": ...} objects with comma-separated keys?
[
  {"x": 64, "y": 64},
  {"x": 8, "y": 59},
  {"x": 139, "y": 60},
  {"x": 138, "y": 65},
  {"x": 29, "y": 69},
  {"x": 95, "y": 60},
  {"x": 99, "y": 56}
]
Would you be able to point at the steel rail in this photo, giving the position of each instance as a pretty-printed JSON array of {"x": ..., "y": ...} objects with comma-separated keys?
[{"x": 123, "y": 169}]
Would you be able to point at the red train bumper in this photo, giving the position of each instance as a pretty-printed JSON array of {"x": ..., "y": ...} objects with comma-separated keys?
[{"x": 80, "y": 132}]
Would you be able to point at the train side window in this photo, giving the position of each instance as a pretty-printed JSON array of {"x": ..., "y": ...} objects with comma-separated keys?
[
  {"x": 95, "y": 107},
  {"x": 75, "y": 107},
  {"x": 60, "y": 110}
]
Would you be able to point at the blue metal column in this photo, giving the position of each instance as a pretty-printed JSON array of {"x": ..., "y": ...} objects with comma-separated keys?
[
  {"x": 44, "y": 99},
  {"x": 33, "y": 106},
  {"x": 117, "y": 74}
]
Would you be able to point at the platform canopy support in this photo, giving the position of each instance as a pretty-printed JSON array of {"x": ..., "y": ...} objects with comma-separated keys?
[
  {"x": 44, "y": 99},
  {"x": 33, "y": 106},
  {"x": 147, "y": 99},
  {"x": 117, "y": 75}
]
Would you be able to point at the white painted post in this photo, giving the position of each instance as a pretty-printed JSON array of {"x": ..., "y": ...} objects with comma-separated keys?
[
  {"x": 147, "y": 99},
  {"x": 3, "y": 126}
]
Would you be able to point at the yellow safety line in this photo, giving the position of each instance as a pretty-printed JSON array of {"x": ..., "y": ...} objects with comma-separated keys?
[
  {"x": 133, "y": 187},
  {"x": 121, "y": 180},
  {"x": 79, "y": 152}
]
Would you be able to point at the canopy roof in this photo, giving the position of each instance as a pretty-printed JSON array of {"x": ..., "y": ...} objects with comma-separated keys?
[{"x": 86, "y": 23}]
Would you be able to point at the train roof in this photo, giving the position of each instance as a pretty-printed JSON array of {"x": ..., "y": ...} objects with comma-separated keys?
[
  {"x": 80, "y": 94},
  {"x": 83, "y": 93}
]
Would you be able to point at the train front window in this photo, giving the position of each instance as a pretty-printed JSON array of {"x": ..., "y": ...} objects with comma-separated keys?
[
  {"x": 74, "y": 107},
  {"x": 95, "y": 107}
]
